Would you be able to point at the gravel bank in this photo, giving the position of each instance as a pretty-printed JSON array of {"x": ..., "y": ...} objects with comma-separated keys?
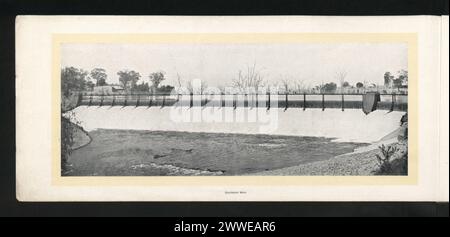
[
  {"x": 349, "y": 164},
  {"x": 362, "y": 162}
]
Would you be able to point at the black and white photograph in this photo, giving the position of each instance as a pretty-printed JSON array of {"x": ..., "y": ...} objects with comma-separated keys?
[
  {"x": 237, "y": 115},
  {"x": 234, "y": 109}
]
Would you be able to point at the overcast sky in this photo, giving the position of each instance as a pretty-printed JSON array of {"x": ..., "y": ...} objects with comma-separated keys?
[{"x": 218, "y": 64}]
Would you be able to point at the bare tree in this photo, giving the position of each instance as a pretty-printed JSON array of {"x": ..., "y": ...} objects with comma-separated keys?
[
  {"x": 203, "y": 86},
  {"x": 285, "y": 85},
  {"x": 251, "y": 79},
  {"x": 340, "y": 76},
  {"x": 179, "y": 84},
  {"x": 299, "y": 86},
  {"x": 319, "y": 88},
  {"x": 197, "y": 89},
  {"x": 221, "y": 88},
  {"x": 290, "y": 86}
]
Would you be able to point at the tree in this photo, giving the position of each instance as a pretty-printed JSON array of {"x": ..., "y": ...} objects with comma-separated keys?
[
  {"x": 346, "y": 84},
  {"x": 251, "y": 79},
  {"x": 199, "y": 88},
  {"x": 329, "y": 87},
  {"x": 340, "y": 76},
  {"x": 286, "y": 84},
  {"x": 166, "y": 89},
  {"x": 156, "y": 78},
  {"x": 90, "y": 85},
  {"x": 402, "y": 79},
  {"x": 143, "y": 87},
  {"x": 72, "y": 79},
  {"x": 397, "y": 82},
  {"x": 299, "y": 86},
  {"x": 179, "y": 84},
  {"x": 359, "y": 85},
  {"x": 403, "y": 76},
  {"x": 388, "y": 78},
  {"x": 319, "y": 87},
  {"x": 99, "y": 75},
  {"x": 128, "y": 79}
]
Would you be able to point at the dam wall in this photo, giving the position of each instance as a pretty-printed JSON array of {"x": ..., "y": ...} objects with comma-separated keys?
[
  {"x": 392, "y": 102},
  {"x": 349, "y": 125}
]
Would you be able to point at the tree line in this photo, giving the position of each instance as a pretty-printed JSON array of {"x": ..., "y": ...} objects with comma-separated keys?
[
  {"x": 75, "y": 79},
  {"x": 396, "y": 82}
]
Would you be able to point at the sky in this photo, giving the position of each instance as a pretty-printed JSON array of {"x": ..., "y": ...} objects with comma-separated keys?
[{"x": 219, "y": 64}]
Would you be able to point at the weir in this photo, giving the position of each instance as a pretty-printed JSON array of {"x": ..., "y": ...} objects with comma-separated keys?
[
  {"x": 352, "y": 125},
  {"x": 336, "y": 116},
  {"x": 391, "y": 102}
]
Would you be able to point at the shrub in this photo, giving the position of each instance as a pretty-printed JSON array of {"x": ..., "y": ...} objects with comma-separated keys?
[
  {"x": 66, "y": 143},
  {"x": 68, "y": 130},
  {"x": 400, "y": 166},
  {"x": 384, "y": 160}
]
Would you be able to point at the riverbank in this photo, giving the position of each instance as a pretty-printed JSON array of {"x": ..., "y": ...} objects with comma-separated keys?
[
  {"x": 358, "y": 163},
  {"x": 362, "y": 162}
]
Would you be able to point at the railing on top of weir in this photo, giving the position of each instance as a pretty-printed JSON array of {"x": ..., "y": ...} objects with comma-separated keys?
[{"x": 390, "y": 101}]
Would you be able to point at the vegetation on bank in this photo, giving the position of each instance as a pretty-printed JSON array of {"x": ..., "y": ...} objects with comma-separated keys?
[
  {"x": 393, "y": 159},
  {"x": 77, "y": 80},
  {"x": 67, "y": 141},
  {"x": 388, "y": 159},
  {"x": 131, "y": 81}
]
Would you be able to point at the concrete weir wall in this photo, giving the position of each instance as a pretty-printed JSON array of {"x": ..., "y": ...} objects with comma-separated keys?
[
  {"x": 351, "y": 125},
  {"x": 309, "y": 101}
]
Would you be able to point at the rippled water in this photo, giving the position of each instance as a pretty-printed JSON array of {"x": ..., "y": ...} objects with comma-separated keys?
[{"x": 156, "y": 153}]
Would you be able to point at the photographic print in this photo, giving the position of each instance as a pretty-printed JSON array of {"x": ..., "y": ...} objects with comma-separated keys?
[
  {"x": 234, "y": 109},
  {"x": 154, "y": 108}
]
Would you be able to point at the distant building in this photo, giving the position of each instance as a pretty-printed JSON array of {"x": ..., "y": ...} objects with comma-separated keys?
[{"x": 108, "y": 89}]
